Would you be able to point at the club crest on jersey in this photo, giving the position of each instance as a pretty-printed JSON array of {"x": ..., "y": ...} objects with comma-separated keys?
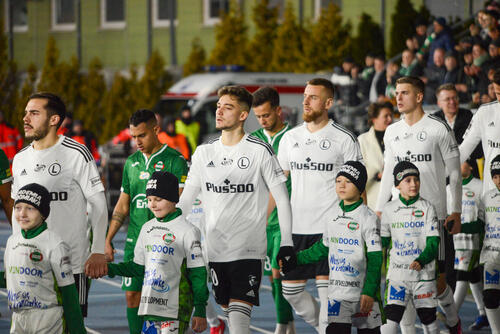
[
  {"x": 36, "y": 256},
  {"x": 158, "y": 166},
  {"x": 353, "y": 226},
  {"x": 470, "y": 193},
  {"x": 168, "y": 238},
  {"x": 324, "y": 144},
  {"x": 243, "y": 162},
  {"x": 144, "y": 175},
  {"x": 418, "y": 213},
  {"x": 54, "y": 169},
  {"x": 422, "y": 136}
]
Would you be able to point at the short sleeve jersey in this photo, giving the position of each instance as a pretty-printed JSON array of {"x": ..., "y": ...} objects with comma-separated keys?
[
  {"x": 427, "y": 144},
  {"x": 274, "y": 141},
  {"x": 235, "y": 182},
  {"x": 490, "y": 212},
  {"x": 35, "y": 268},
  {"x": 484, "y": 127},
  {"x": 68, "y": 171},
  {"x": 166, "y": 249},
  {"x": 313, "y": 160},
  {"x": 5, "y": 174},
  {"x": 471, "y": 198},
  {"x": 348, "y": 236},
  {"x": 136, "y": 173},
  {"x": 409, "y": 226}
]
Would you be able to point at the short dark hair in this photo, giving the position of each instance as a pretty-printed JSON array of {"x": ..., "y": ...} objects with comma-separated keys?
[
  {"x": 375, "y": 108},
  {"x": 266, "y": 94},
  {"x": 55, "y": 105},
  {"x": 496, "y": 76},
  {"x": 414, "y": 81},
  {"x": 446, "y": 86},
  {"x": 243, "y": 96},
  {"x": 142, "y": 116},
  {"x": 323, "y": 82}
]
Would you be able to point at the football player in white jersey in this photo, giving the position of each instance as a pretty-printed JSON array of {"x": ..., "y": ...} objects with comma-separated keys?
[
  {"x": 234, "y": 174},
  {"x": 429, "y": 143},
  {"x": 68, "y": 170},
  {"x": 485, "y": 127},
  {"x": 312, "y": 154}
]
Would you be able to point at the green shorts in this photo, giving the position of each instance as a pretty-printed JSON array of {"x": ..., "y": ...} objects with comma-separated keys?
[
  {"x": 273, "y": 246},
  {"x": 130, "y": 283}
]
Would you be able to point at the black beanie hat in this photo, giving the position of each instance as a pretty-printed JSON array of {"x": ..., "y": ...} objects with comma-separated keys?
[
  {"x": 164, "y": 185},
  {"x": 495, "y": 166},
  {"x": 37, "y": 196},
  {"x": 356, "y": 172},
  {"x": 404, "y": 169}
]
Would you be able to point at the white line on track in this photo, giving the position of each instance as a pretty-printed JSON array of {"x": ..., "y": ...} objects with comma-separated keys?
[{"x": 91, "y": 331}]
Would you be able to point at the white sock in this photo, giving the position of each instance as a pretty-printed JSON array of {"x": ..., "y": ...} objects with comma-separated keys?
[
  {"x": 447, "y": 304},
  {"x": 212, "y": 319},
  {"x": 225, "y": 310},
  {"x": 460, "y": 292},
  {"x": 407, "y": 323},
  {"x": 290, "y": 327},
  {"x": 280, "y": 329},
  {"x": 322, "y": 286},
  {"x": 493, "y": 315},
  {"x": 431, "y": 328},
  {"x": 239, "y": 318},
  {"x": 390, "y": 327},
  {"x": 302, "y": 302},
  {"x": 477, "y": 293}
]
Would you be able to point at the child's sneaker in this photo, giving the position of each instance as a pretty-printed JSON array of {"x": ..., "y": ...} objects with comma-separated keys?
[
  {"x": 481, "y": 321},
  {"x": 219, "y": 329},
  {"x": 457, "y": 329}
]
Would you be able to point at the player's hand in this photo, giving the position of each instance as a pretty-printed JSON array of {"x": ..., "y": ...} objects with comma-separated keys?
[
  {"x": 415, "y": 265},
  {"x": 199, "y": 324},
  {"x": 365, "y": 304},
  {"x": 379, "y": 214},
  {"x": 453, "y": 223},
  {"x": 287, "y": 259},
  {"x": 109, "y": 252},
  {"x": 96, "y": 266}
]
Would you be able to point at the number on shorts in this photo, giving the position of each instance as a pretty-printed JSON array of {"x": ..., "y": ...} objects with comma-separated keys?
[
  {"x": 267, "y": 264},
  {"x": 213, "y": 274},
  {"x": 127, "y": 281}
]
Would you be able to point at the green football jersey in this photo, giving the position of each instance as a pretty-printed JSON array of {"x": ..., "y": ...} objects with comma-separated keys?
[
  {"x": 136, "y": 173},
  {"x": 5, "y": 173},
  {"x": 274, "y": 141}
]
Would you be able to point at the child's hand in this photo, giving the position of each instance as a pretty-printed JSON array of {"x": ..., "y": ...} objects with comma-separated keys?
[
  {"x": 199, "y": 324},
  {"x": 365, "y": 304},
  {"x": 415, "y": 266}
]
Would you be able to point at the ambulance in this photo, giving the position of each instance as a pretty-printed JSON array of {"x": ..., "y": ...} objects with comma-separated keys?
[{"x": 199, "y": 92}]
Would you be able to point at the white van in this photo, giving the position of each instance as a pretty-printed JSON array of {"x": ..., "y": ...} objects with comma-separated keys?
[{"x": 199, "y": 91}]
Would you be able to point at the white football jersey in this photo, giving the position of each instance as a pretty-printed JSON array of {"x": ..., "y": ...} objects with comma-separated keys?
[
  {"x": 162, "y": 247},
  {"x": 348, "y": 236},
  {"x": 426, "y": 144},
  {"x": 408, "y": 226},
  {"x": 313, "y": 160},
  {"x": 70, "y": 174},
  {"x": 490, "y": 214},
  {"x": 235, "y": 182},
  {"x": 34, "y": 269},
  {"x": 484, "y": 127}
]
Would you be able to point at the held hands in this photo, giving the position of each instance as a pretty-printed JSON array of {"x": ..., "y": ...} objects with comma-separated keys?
[
  {"x": 96, "y": 266},
  {"x": 365, "y": 304},
  {"x": 287, "y": 259},
  {"x": 199, "y": 324},
  {"x": 415, "y": 266},
  {"x": 453, "y": 223},
  {"x": 109, "y": 252}
]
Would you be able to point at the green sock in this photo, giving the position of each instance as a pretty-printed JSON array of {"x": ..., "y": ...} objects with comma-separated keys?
[
  {"x": 284, "y": 312},
  {"x": 134, "y": 321}
]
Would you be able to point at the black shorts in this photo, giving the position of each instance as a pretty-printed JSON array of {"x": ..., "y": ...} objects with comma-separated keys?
[
  {"x": 308, "y": 271},
  {"x": 82, "y": 283},
  {"x": 446, "y": 256},
  {"x": 236, "y": 280}
]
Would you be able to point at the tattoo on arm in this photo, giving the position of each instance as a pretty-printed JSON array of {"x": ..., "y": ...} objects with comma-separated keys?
[{"x": 118, "y": 217}]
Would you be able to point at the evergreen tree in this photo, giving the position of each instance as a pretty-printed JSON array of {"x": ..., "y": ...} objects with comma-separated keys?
[
  {"x": 117, "y": 108},
  {"x": 403, "y": 26},
  {"x": 49, "y": 79},
  {"x": 369, "y": 39},
  {"x": 8, "y": 82},
  {"x": 329, "y": 41},
  {"x": 196, "y": 58},
  {"x": 27, "y": 89},
  {"x": 154, "y": 82},
  {"x": 287, "y": 51},
  {"x": 260, "y": 48},
  {"x": 230, "y": 38}
]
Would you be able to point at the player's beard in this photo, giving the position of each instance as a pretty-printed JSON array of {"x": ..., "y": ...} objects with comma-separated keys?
[
  {"x": 312, "y": 115},
  {"x": 39, "y": 133}
]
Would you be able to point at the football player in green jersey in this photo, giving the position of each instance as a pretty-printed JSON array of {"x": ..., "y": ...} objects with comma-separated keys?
[
  {"x": 151, "y": 156},
  {"x": 5, "y": 184},
  {"x": 266, "y": 106}
]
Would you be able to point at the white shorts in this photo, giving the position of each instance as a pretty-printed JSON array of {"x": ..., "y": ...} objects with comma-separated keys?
[
  {"x": 348, "y": 312},
  {"x": 491, "y": 276},
  {"x": 466, "y": 260},
  {"x": 422, "y": 293},
  {"x": 38, "y": 321}
]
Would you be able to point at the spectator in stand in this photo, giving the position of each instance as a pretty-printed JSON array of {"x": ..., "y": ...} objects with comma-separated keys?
[
  {"x": 66, "y": 125},
  {"x": 410, "y": 65},
  {"x": 379, "y": 81},
  {"x": 187, "y": 126},
  {"x": 454, "y": 74},
  {"x": 11, "y": 140},
  {"x": 86, "y": 138},
  {"x": 365, "y": 77},
  {"x": 420, "y": 32},
  {"x": 440, "y": 39},
  {"x": 346, "y": 90},
  {"x": 434, "y": 76},
  {"x": 174, "y": 140},
  {"x": 391, "y": 75},
  {"x": 380, "y": 116},
  {"x": 489, "y": 23},
  {"x": 494, "y": 52}
]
